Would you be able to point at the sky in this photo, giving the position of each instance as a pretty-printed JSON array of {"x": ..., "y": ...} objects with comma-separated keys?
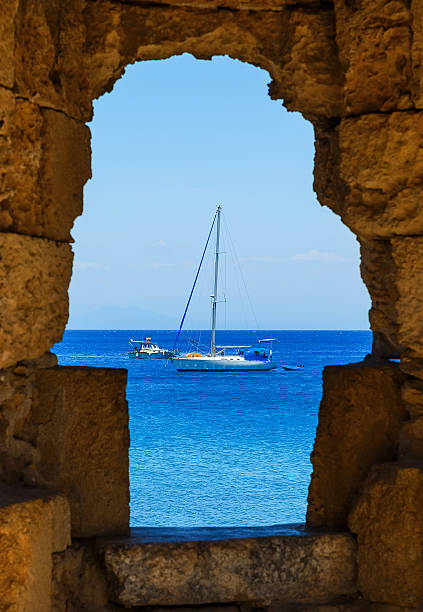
[{"x": 174, "y": 139}]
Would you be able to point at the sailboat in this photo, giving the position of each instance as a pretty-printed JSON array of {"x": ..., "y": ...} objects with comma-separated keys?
[{"x": 223, "y": 358}]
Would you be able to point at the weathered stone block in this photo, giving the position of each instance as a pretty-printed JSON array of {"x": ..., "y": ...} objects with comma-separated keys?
[
  {"x": 33, "y": 525},
  {"x": 255, "y": 5},
  {"x": 67, "y": 71},
  {"x": 411, "y": 439},
  {"x": 7, "y": 42},
  {"x": 360, "y": 417},
  {"x": 310, "y": 79},
  {"x": 17, "y": 456},
  {"x": 393, "y": 273},
  {"x": 378, "y": 272},
  {"x": 388, "y": 521},
  {"x": 416, "y": 9},
  {"x": 412, "y": 364},
  {"x": 303, "y": 65},
  {"x": 407, "y": 255},
  {"x": 412, "y": 396},
  {"x": 44, "y": 163},
  {"x": 79, "y": 424},
  {"x": 375, "y": 42},
  {"x": 369, "y": 171},
  {"x": 289, "y": 568},
  {"x": 79, "y": 581},
  {"x": 34, "y": 278},
  {"x": 48, "y": 56},
  {"x": 15, "y": 402},
  {"x": 351, "y": 605}
]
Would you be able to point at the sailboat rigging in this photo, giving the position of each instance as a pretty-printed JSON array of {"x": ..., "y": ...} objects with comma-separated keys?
[{"x": 243, "y": 358}]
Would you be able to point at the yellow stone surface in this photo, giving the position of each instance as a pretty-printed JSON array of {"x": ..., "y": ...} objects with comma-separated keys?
[
  {"x": 34, "y": 279},
  {"x": 79, "y": 424},
  {"x": 412, "y": 396},
  {"x": 369, "y": 171},
  {"x": 388, "y": 521},
  {"x": 33, "y": 525},
  {"x": 45, "y": 161},
  {"x": 7, "y": 42},
  {"x": 360, "y": 418},
  {"x": 375, "y": 46}
]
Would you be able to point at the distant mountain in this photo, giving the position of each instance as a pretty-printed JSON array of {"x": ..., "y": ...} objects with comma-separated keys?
[{"x": 115, "y": 317}]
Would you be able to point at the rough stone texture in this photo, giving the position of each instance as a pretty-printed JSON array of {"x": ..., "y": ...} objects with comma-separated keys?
[
  {"x": 44, "y": 163},
  {"x": 16, "y": 387},
  {"x": 16, "y": 457},
  {"x": 355, "y": 605},
  {"x": 369, "y": 171},
  {"x": 79, "y": 582},
  {"x": 369, "y": 63},
  {"x": 417, "y": 52},
  {"x": 294, "y": 568},
  {"x": 412, "y": 397},
  {"x": 7, "y": 42},
  {"x": 253, "y": 5},
  {"x": 393, "y": 273},
  {"x": 412, "y": 364},
  {"x": 411, "y": 439},
  {"x": 98, "y": 39},
  {"x": 388, "y": 521},
  {"x": 34, "y": 278},
  {"x": 78, "y": 422},
  {"x": 407, "y": 255},
  {"x": 359, "y": 423},
  {"x": 48, "y": 54},
  {"x": 67, "y": 429},
  {"x": 379, "y": 275},
  {"x": 298, "y": 49},
  {"x": 33, "y": 525},
  {"x": 375, "y": 44}
]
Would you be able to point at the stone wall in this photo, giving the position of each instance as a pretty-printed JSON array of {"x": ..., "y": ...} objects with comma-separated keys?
[{"x": 354, "y": 68}]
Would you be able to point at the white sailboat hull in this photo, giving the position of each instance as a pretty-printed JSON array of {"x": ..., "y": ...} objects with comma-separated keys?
[{"x": 220, "y": 364}]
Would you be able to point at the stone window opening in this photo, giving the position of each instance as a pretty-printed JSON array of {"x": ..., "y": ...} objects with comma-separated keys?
[{"x": 121, "y": 160}]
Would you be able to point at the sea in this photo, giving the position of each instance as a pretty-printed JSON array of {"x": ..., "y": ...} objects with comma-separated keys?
[{"x": 219, "y": 449}]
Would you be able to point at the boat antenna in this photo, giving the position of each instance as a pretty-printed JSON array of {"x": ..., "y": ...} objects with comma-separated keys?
[
  {"x": 216, "y": 275},
  {"x": 195, "y": 282}
]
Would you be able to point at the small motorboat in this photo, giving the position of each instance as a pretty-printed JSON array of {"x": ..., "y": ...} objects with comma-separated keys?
[
  {"x": 299, "y": 367},
  {"x": 145, "y": 349}
]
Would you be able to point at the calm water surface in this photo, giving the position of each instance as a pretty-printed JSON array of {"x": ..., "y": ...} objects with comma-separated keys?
[{"x": 219, "y": 449}]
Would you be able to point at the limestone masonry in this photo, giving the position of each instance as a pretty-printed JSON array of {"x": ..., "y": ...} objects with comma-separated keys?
[{"x": 354, "y": 68}]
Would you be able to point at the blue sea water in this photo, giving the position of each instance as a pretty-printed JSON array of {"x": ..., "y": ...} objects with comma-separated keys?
[{"x": 219, "y": 449}]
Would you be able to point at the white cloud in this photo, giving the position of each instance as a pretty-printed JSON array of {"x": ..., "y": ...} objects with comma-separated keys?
[
  {"x": 325, "y": 257},
  {"x": 161, "y": 243}
]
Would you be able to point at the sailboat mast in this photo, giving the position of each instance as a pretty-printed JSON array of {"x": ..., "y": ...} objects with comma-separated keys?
[{"x": 216, "y": 276}]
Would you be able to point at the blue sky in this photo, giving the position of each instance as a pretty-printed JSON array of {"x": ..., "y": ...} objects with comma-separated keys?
[{"x": 174, "y": 139}]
